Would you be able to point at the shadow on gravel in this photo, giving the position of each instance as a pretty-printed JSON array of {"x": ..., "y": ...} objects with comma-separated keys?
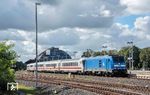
[{"x": 47, "y": 90}]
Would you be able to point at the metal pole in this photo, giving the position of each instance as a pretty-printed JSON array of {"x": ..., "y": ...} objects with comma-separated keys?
[
  {"x": 36, "y": 23},
  {"x": 143, "y": 66},
  {"x": 132, "y": 56},
  {"x": 129, "y": 60},
  {"x": 104, "y": 47},
  {"x": 129, "y": 55},
  {"x": 75, "y": 54}
]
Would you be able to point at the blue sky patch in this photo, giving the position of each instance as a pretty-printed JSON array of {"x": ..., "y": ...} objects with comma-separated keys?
[{"x": 129, "y": 20}]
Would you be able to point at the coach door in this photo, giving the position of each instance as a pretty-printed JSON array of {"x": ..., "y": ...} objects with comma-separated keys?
[
  {"x": 84, "y": 65},
  {"x": 59, "y": 66}
]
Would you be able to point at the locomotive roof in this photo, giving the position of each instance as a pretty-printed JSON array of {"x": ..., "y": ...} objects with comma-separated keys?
[{"x": 105, "y": 56}]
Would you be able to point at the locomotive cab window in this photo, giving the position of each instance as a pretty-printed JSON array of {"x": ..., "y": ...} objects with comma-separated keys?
[{"x": 118, "y": 59}]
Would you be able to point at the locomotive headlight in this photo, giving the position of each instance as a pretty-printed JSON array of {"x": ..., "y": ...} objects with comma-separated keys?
[{"x": 116, "y": 65}]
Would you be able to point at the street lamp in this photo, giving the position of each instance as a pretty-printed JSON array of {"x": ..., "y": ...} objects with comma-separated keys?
[
  {"x": 36, "y": 26},
  {"x": 104, "y": 48},
  {"x": 75, "y": 53}
]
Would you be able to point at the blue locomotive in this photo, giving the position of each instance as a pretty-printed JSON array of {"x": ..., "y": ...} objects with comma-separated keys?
[{"x": 105, "y": 65}]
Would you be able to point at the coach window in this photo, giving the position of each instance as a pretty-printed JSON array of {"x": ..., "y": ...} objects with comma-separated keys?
[
  {"x": 39, "y": 65},
  {"x": 69, "y": 64},
  {"x": 64, "y": 64},
  {"x": 72, "y": 64},
  {"x": 54, "y": 65},
  {"x": 47, "y": 65},
  {"x": 75, "y": 64}
]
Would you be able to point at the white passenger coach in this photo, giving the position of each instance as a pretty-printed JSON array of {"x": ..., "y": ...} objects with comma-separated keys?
[{"x": 67, "y": 65}]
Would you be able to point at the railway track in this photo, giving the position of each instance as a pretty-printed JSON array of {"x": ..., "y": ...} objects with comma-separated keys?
[{"x": 97, "y": 87}]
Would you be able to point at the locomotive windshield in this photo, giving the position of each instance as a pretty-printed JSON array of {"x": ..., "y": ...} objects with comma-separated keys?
[{"x": 118, "y": 59}]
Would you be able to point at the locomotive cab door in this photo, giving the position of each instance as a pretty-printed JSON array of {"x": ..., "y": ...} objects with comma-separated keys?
[
  {"x": 108, "y": 64},
  {"x": 84, "y": 66}
]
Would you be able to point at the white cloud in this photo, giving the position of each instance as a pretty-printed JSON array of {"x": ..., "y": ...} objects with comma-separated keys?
[
  {"x": 58, "y": 13},
  {"x": 136, "y": 6},
  {"x": 26, "y": 49},
  {"x": 142, "y": 27},
  {"x": 12, "y": 34},
  {"x": 121, "y": 30},
  {"x": 104, "y": 12},
  {"x": 140, "y": 32},
  {"x": 16, "y": 14},
  {"x": 80, "y": 39},
  {"x": 72, "y": 25},
  {"x": 62, "y": 36},
  {"x": 143, "y": 23}
]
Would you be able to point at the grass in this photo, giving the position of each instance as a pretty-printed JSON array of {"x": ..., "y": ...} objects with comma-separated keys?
[{"x": 27, "y": 90}]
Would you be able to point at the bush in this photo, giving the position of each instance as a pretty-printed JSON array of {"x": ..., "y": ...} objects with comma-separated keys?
[{"x": 7, "y": 59}]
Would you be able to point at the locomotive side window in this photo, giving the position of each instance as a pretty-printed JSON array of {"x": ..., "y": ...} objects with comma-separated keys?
[
  {"x": 108, "y": 60},
  {"x": 100, "y": 63}
]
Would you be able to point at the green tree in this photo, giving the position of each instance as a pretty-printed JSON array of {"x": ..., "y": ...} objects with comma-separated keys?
[
  {"x": 88, "y": 53},
  {"x": 7, "y": 59},
  {"x": 113, "y": 52},
  {"x": 20, "y": 66},
  {"x": 145, "y": 57},
  {"x": 97, "y": 53},
  {"x": 125, "y": 52},
  {"x": 136, "y": 51},
  {"x": 136, "y": 57}
]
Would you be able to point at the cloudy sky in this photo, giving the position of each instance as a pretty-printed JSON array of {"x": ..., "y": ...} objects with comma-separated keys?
[{"x": 74, "y": 25}]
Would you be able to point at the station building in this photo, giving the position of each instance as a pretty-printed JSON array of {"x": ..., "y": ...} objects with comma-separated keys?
[{"x": 51, "y": 54}]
